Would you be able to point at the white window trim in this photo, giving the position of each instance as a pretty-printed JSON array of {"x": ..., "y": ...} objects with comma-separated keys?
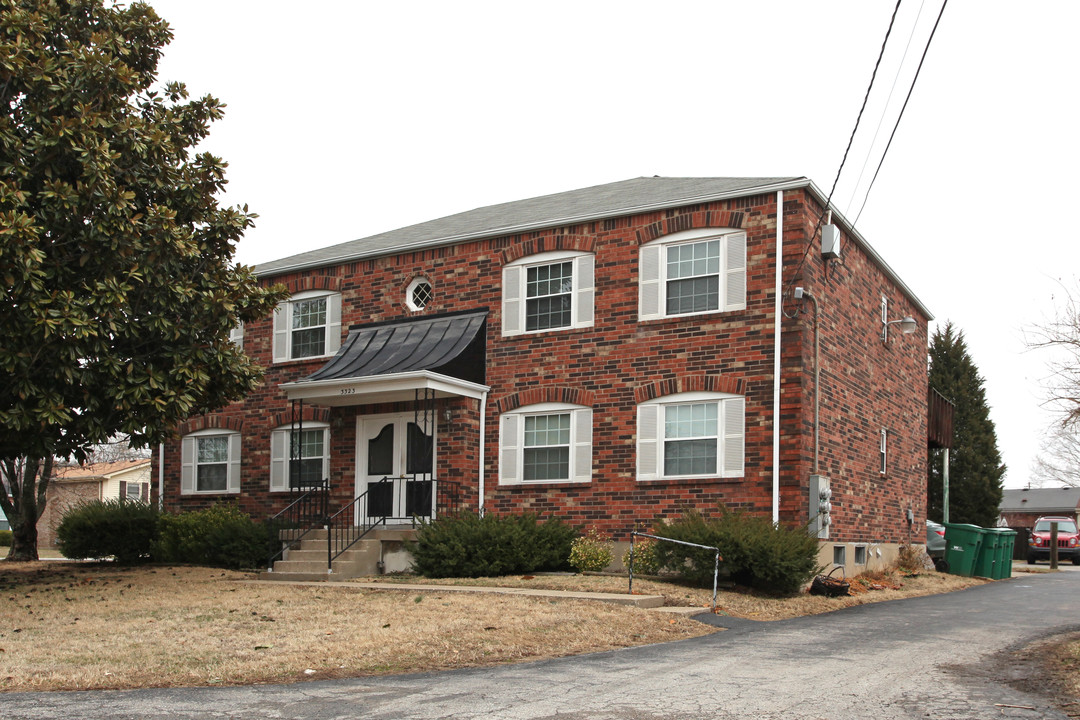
[
  {"x": 189, "y": 469},
  {"x": 652, "y": 271},
  {"x": 279, "y": 453},
  {"x": 283, "y": 325},
  {"x": 883, "y": 450},
  {"x": 416, "y": 282},
  {"x": 884, "y": 319},
  {"x": 731, "y": 435},
  {"x": 581, "y": 294},
  {"x": 512, "y": 443},
  {"x": 236, "y": 335}
]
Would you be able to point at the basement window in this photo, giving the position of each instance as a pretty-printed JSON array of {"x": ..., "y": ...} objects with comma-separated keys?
[
  {"x": 860, "y": 554},
  {"x": 839, "y": 555}
]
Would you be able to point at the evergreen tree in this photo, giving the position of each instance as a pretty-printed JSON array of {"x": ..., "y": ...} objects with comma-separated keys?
[{"x": 975, "y": 468}]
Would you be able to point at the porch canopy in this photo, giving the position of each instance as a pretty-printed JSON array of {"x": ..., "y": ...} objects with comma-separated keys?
[{"x": 392, "y": 361}]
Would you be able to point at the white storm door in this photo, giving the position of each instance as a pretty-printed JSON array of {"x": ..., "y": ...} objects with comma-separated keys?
[{"x": 395, "y": 459}]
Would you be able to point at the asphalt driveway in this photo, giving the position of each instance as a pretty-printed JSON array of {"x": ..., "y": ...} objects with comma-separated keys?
[{"x": 944, "y": 656}]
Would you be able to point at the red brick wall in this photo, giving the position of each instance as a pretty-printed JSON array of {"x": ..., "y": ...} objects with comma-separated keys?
[
  {"x": 62, "y": 496},
  {"x": 866, "y": 385}
]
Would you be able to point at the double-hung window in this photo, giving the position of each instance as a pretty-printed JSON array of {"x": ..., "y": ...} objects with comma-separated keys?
[
  {"x": 548, "y": 442},
  {"x": 692, "y": 272},
  {"x": 307, "y": 325},
  {"x": 548, "y": 291},
  {"x": 699, "y": 434},
  {"x": 210, "y": 462},
  {"x": 300, "y": 457}
]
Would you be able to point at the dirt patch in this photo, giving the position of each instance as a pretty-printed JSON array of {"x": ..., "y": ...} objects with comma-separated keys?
[{"x": 1048, "y": 667}]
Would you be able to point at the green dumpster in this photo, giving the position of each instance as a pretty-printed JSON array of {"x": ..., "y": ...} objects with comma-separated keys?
[
  {"x": 1005, "y": 553},
  {"x": 962, "y": 542},
  {"x": 986, "y": 559}
]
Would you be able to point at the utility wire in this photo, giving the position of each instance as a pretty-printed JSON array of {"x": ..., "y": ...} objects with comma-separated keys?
[
  {"x": 885, "y": 107},
  {"x": 851, "y": 139},
  {"x": 901, "y": 115}
]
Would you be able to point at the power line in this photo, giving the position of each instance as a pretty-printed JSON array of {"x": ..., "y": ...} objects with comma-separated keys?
[
  {"x": 885, "y": 107},
  {"x": 851, "y": 139},
  {"x": 901, "y": 115}
]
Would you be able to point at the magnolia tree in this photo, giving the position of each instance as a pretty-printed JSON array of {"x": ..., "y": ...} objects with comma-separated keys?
[{"x": 119, "y": 285}]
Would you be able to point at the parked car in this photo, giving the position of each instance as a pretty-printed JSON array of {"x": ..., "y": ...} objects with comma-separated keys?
[
  {"x": 935, "y": 544},
  {"x": 1068, "y": 540}
]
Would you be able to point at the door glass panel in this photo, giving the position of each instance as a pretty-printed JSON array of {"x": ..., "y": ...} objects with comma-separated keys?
[
  {"x": 381, "y": 452},
  {"x": 419, "y": 451}
]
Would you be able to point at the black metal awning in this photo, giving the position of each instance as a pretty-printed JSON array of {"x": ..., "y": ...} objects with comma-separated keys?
[{"x": 388, "y": 361}]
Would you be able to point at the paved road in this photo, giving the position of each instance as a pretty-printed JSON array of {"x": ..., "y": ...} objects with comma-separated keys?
[{"x": 934, "y": 657}]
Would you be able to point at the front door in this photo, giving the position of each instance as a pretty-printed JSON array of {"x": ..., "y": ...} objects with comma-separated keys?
[{"x": 396, "y": 459}]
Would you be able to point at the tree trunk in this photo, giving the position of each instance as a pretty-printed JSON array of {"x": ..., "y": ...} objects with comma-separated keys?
[
  {"x": 28, "y": 479},
  {"x": 24, "y": 535}
]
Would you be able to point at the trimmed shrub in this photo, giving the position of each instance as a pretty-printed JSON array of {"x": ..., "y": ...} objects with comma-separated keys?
[
  {"x": 467, "y": 545},
  {"x": 6, "y": 538},
  {"x": 219, "y": 536},
  {"x": 646, "y": 560},
  {"x": 591, "y": 552},
  {"x": 756, "y": 553},
  {"x": 123, "y": 529}
]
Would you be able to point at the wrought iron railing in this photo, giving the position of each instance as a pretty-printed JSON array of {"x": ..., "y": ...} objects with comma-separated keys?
[
  {"x": 304, "y": 514},
  {"x": 395, "y": 499}
]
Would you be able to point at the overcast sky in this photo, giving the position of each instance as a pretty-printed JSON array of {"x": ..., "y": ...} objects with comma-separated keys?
[{"x": 346, "y": 119}]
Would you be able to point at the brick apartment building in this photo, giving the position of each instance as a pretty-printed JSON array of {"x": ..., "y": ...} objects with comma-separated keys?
[{"x": 607, "y": 355}]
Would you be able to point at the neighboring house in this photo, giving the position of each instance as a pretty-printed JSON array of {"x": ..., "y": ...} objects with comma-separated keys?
[
  {"x": 1020, "y": 508},
  {"x": 72, "y": 484},
  {"x": 607, "y": 355}
]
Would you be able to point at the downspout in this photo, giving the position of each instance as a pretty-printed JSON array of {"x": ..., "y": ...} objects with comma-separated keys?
[
  {"x": 161, "y": 477},
  {"x": 483, "y": 427},
  {"x": 778, "y": 312}
]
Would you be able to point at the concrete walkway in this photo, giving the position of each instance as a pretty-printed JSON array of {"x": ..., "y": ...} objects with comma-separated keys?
[{"x": 650, "y": 602}]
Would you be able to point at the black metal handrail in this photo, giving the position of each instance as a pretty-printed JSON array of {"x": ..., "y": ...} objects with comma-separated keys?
[
  {"x": 375, "y": 507},
  {"x": 301, "y": 516}
]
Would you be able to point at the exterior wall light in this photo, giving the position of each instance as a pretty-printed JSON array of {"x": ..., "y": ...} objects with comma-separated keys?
[{"x": 907, "y": 326}]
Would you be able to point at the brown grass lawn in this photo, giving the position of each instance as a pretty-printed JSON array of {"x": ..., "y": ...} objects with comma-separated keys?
[{"x": 68, "y": 626}]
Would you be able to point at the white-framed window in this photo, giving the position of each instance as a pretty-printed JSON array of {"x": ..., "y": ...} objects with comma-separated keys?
[
  {"x": 307, "y": 325},
  {"x": 884, "y": 319},
  {"x": 210, "y": 462},
  {"x": 418, "y": 294},
  {"x": 860, "y": 554},
  {"x": 687, "y": 435},
  {"x": 883, "y": 452},
  {"x": 692, "y": 272},
  {"x": 299, "y": 458},
  {"x": 548, "y": 291},
  {"x": 134, "y": 491},
  {"x": 236, "y": 335},
  {"x": 545, "y": 443}
]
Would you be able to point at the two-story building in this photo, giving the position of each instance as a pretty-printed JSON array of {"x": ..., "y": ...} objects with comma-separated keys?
[{"x": 607, "y": 355}]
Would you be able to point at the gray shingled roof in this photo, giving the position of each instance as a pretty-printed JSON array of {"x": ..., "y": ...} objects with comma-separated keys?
[
  {"x": 1040, "y": 500},
  {"x": 591, "y": 203},
  {"x": 643, "y": 194}
]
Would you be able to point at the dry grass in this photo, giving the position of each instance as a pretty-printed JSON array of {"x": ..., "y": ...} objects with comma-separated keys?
[
  {"x": 68, "y": 626},
  {"x": 866, "y": 589}
]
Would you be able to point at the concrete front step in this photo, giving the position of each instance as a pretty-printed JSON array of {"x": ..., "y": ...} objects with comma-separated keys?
[{"x": 382, "y": 550}]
